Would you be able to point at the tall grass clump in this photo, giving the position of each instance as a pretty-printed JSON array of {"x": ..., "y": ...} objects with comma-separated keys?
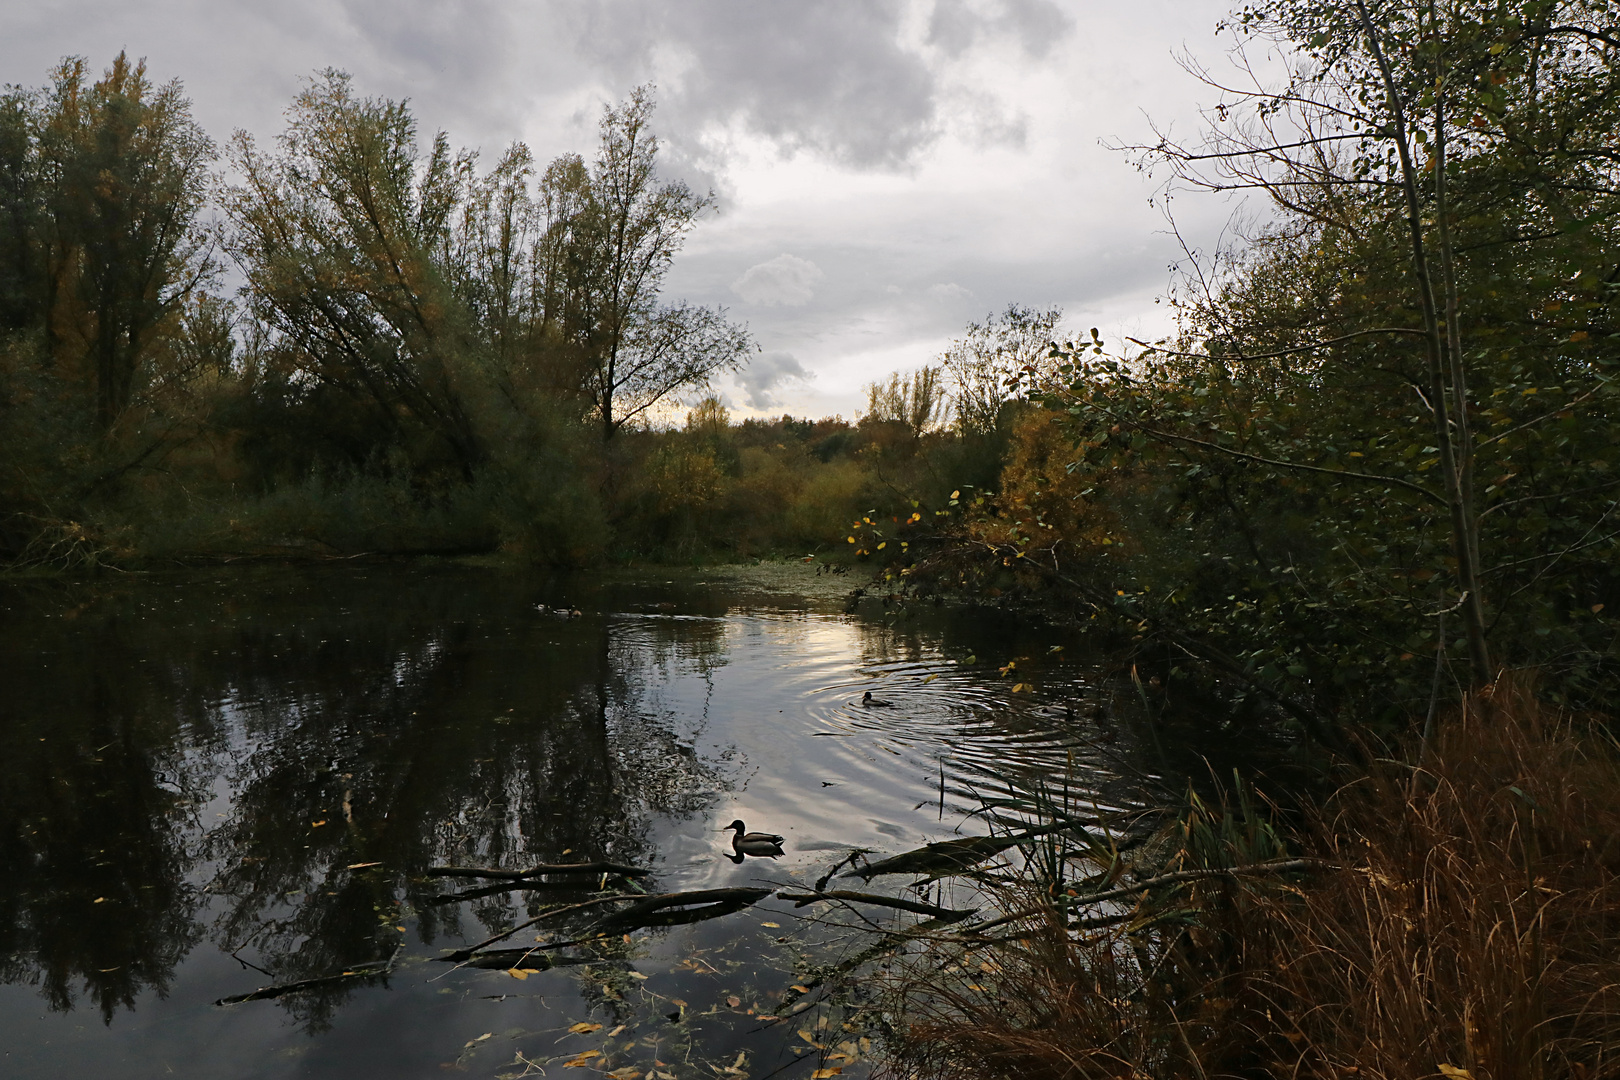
[
  {"x": 1474, "y": 925},
  {"x": 1457, "y": 918}
]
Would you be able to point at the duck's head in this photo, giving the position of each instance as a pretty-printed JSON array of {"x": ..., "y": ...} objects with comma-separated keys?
[
  {"x": 866, "y": 697},
  {"x": 737, "y": 825}
]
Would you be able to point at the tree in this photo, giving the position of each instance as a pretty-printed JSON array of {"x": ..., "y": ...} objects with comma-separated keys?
[
  {"x": 992, "y": 359},
  {"x": 344, "y": 238},
  {"x": 122, "y": 171},
  {"x": 918, "y": 402},
  {"x": 1467, "y": 141},
  {"x": 621, "y": 239}
]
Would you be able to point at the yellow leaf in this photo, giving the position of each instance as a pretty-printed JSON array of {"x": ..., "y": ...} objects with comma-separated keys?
[
  {"x": 638, "y": 975},
  {"x": 582, "y": 1060},
  {"x": 1454, "y": 1072},
  {"x": 956, "y": 494},
  {"x": 883, "y": 545},
  {"x": 801, "y": 989},
  {"x": 1596, "y": 608},
  {"x": 517, "y": 973},
  {"x": 317, "y": 824},
  {"x": 852, "y": 539},
  {"x": 822, "y": 1074},
  {"x": 930, "y": 679},
  {"x": 584, "y": 1027},
  {"x": 629, "y": 1072},
  {"x": 772, "y": 925}
]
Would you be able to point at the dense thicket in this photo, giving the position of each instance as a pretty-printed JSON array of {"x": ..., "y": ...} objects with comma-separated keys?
[
  {"x": 416, "y": 360},
  {"x": 1379, "y": 458}
]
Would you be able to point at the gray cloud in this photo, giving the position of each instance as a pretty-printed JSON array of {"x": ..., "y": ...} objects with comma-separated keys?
[
  {"x": 1035, "y": 25},
  {"x": 831, "y": 77},
  {"x": 786, "y": 280},
  {"x": 765, "y": 373},
  {"x": 837, "y": 78}
]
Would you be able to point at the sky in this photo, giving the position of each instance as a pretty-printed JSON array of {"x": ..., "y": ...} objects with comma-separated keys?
[{"x": 885, "y": 171}]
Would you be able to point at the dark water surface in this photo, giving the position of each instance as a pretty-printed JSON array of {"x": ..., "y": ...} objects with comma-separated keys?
[{"x": 193, "y": 766}]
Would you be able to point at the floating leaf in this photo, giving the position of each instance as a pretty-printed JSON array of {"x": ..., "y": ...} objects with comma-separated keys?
[
  {"x": 801, "y": 989},
  {"x": 582, "y": 1060},
  {"x": 930, "y": 679},
  {"x": 822, "y": 1074},
  {"x": 481, "y": 1038},
  {"x": 517, "y": 973},
  {"x": 584, "y": 1027},
  {"x": 733, "y": 1001},
  {"x": 772, "y": 925}
]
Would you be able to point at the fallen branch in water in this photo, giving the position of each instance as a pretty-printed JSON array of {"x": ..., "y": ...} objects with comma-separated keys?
[
  {"x": 669, "y": 909},
  {"x": 467, "y": 953},
  {"x": 538, "y": 870},
  {"x": 947, "y": 914},
  {"x": 361, "y": 971}
]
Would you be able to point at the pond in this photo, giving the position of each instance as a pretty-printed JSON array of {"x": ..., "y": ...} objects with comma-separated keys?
[{"x": 213, "y": 782}]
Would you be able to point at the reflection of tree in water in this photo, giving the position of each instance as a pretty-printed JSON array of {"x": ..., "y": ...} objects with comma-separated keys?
[
  {"x": 455, "y": 746},
  {"x": 355, "y": 721},
  {"x": 97, "y": 801}
]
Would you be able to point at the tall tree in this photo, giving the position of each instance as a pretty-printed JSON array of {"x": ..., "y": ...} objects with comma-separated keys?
[
  {"x": 636, "y": 351},
  {"x": 343, "y": 237},
  {"x": 123, "y": 171}
]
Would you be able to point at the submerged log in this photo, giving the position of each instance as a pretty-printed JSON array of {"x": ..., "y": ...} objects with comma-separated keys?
[
  {"x": 943, "y": 857},
  {"x": 612, "y": 869},
  {"x": 673, "y": 909},
  {"x": 914, "y": 906}
]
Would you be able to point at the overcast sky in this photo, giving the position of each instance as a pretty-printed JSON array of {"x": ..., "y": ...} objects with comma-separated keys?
[{"x": 887, "y": 170}]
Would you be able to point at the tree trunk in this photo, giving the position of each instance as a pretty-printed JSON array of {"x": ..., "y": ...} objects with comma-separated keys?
[{"x": 1464, "y": 526}]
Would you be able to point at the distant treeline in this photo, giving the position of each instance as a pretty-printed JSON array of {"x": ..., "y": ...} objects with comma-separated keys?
[{"x": 421, "y": 355}]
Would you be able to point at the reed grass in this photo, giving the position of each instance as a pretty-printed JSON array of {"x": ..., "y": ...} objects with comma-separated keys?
[{"x": 1464, "y": 921}]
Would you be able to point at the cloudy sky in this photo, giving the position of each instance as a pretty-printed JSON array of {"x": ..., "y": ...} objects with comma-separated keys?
[{"x": 886, "y": 170}]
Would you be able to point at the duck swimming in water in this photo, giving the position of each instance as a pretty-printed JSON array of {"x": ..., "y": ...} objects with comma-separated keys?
[
  {"x": 758, "y": 844},
  {"x": 875, "y": 703}
]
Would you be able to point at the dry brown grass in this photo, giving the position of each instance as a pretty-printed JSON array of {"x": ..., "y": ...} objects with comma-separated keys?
[{"x": 1470, "y": 927}]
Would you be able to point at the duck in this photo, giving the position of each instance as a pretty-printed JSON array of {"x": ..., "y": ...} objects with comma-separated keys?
[
  {"x": 758, "y": 844},
  {"x": 871, "y": 702},
  {"x": 561, "y": 612}
]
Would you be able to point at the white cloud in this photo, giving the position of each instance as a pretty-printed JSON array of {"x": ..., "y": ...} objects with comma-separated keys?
[
  {"x": 765, "y": 373},
  {"x": 787, "y": 280},
  {"x": 949, "y": 290}
]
